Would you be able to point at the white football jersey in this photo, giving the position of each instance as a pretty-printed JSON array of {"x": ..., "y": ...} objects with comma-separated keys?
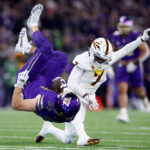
[{"x": 90, "y": 77}]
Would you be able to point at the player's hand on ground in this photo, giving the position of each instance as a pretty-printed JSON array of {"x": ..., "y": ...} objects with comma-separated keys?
[
  {"x": 146, "y": 35},
  {"x": 22, "y": 79}
]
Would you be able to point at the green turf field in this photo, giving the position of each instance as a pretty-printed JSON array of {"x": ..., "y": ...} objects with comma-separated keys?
[{"x": 18, "y": 131}]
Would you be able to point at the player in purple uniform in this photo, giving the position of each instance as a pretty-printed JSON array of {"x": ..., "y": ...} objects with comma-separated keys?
[
  {"x": 46, "y": 95},
  {"x": 37, "y": 77},
  {"x": 128, "y": 70}
]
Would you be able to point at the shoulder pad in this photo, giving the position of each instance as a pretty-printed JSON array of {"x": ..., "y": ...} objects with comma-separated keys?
[{"x": 83, "y": 61}]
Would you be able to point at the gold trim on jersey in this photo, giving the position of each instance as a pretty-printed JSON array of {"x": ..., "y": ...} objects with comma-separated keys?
[
  {"x": 34, "y": 62},
  {"x": 42, "y": 101},
  {"x": 31, "y": 61}
]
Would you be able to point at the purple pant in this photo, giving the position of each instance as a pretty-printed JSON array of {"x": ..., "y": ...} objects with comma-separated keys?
[{"x": 135, "y": 78}]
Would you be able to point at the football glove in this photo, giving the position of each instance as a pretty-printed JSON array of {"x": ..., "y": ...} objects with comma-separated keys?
[
  {"x": 145, "y": 35},
  {"x": 91, "y": 102},
  {"x": 22, "y": 79}
]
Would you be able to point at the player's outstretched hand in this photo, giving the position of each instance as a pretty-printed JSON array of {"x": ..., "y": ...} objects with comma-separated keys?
[
  {"x": 146, "y": 35},
  {"x": 93, "y": 105},
  {"x": 22, "y": 78}
]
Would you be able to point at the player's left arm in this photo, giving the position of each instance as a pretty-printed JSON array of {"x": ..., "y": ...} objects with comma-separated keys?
[
  {"x": 23, "y": 105},
  {"x": 17, "y": 102},
  {"x": 130, "y": 47}
]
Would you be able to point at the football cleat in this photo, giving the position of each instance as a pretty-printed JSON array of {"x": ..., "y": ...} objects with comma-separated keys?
[
  {"x": 90, "y": 141},
  {"x": 123, "y": 118},
  {"x": 39, "y": 138},
  {"x": 93, "y": 141},
  {"x": 33, "y": 20},
  {"x": 23, "y": 46}
]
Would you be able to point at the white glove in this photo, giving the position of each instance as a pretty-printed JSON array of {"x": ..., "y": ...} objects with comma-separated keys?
[
  {"x": 131, "y": 67},
  {"x": 22, "y": 78},
  {"x": 145, "y": 35},
  {"x": 93, "y": 105}
]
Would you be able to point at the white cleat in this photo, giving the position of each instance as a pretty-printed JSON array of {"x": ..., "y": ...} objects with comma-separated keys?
[
  {"x": 89, "y": 141},
  {"x": 123, "y": 118},
  {"x": 33, "y": 20},
  {"x": 23, "y": 46}
]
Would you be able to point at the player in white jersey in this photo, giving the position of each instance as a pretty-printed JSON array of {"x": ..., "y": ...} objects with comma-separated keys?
[{"x": 88, "y": 74}]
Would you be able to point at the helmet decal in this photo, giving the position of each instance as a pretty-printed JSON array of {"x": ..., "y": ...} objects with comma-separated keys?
[{"x": 107, "y": 47}]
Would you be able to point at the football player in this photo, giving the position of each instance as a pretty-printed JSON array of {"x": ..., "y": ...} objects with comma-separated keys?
[
  {"x": 44, "y": 94},
  {"x": 43, "y": 68},
  {"x": 128, "y": 70},
  {"x": 87, "y": 75}
]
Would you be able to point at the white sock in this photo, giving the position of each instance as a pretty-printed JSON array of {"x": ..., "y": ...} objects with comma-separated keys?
[
  {"x": 49, "y": 128},
  {"x": 146, "y": 102},
  {"x": 123, "y": 110}
]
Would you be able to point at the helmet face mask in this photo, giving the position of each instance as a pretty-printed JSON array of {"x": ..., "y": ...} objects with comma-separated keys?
[
  {"x": 125, "y": 25},
  {"x": 100, "y": 51}
]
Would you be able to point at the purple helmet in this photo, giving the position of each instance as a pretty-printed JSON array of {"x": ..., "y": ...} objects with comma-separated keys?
[
  {"x": 67, "y": 106},
  {"x": 125, "y": 25}
]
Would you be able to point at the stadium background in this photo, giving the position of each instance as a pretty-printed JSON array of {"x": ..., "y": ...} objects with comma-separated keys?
[{"x": 71, "y": 25}]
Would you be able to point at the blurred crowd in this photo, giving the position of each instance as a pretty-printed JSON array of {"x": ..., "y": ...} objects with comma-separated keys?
[{"x": 70, "y": 25}]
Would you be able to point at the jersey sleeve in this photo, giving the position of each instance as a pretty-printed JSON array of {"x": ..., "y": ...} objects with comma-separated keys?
[
  {"x": 125, "y": 50},
  {"x": 75, "y": 75}
]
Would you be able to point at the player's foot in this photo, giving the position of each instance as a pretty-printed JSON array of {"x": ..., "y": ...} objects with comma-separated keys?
[
  {"x": 123, "y": 118},
  {"x": 147, "y": 109},
  {"x": 23, "y": 46},
  {"x": 46, "y": 128},
  {"x": 87, "y": 142},
  {"x": 33, "y": 20},
  {"x": 39, "y": 138}
]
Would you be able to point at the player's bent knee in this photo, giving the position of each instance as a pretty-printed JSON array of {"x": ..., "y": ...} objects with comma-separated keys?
[{"x": 69, "y": 140}]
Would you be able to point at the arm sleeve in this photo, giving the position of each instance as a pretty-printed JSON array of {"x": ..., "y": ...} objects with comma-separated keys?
[
  {"x": 73, "y": 81},
  {"x": 125, "y": 50}
]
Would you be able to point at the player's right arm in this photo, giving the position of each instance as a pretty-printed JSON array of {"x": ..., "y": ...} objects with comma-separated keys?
[
  {"x": 73, "y": 83},
  {"x": 17, "y": 102},
  {"x": 74, "y": 79}
]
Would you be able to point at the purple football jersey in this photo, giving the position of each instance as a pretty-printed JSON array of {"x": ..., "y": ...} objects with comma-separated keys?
[
  {"x": 134, "y": 78},
  {"x": 45, "y": 65}
]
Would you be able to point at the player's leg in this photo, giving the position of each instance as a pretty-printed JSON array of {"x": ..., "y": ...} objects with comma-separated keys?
[
  {"x": 137, "y": 83},
  {"x": 35, "y": 64},
  {"x": 38, "y": 38},
  {"x": 66, "y": 136},
  {"x": 78, "y": 125},
  {"x": 122, "y": 79},
  {"x": 23, "y": 45},
  {"x": 140, "y": 91}
]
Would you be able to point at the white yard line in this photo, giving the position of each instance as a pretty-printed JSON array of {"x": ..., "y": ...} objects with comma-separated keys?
[
  {"x": 124, "y": 133},
  {"x": 36, "y": 147},
  {"x": 53, "y": 147},
  {"x": 116, "y": 140}
]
